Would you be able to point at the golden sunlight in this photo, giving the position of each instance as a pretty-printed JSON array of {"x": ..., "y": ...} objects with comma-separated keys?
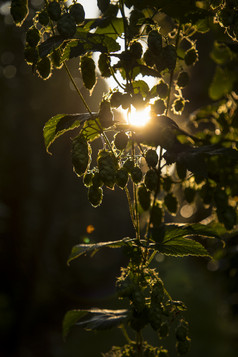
[{"x": 139, "y": 117}]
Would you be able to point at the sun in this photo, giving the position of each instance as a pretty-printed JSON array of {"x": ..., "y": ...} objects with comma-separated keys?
[{"x": 139, "y": 117}]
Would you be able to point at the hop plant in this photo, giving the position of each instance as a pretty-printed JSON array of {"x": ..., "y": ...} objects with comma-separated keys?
[
  {"x": 121, "y": 140},
  {"x": 77, "y": 12},
  {"x": 19, "y": 11},
  {"x": 151, "y": 180},
  {"x": 66, "y": 26},
  {"x": 54, "y": 10},
  {"x": 136, "y": 174},
  {"x": 87, "y": 66},
  {"x": 155, "y": 42},
  {"x": 107, "y": 165},
  {"x": 81, "y": 154},
  {"x": 33, "y": 36},
  {"x": 44, "y": 68},
  {"x": 151, "y": 157},
  {"x": 144, "y": 197},
  {"x": 95, "y": 195},
  {"x": 191, "y": 57},
  {"x": 122, "y": 177},
  {"x": 105, "y": 114}
]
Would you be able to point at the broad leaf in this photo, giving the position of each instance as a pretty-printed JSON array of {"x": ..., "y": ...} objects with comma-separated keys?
[
  {"x": 222, "y": 83},
  {"x": 96, "y": 319},
  {"x": 70, "y": 320},
  {"x": 221, "y": 54},
  {"x": 181, "y": 246},
  {"x": 177, "y": 239},
  {"x": 92, "y": 129},
  {"x": 114, "y": 29},
  {"x": 50, "y": 45},
  {"x": 98, "y": 42},
  {"x": 173, "y": 230},
  {"x": 59, "y": 124},
  {"x": 74, "y": 48},
  {"x": 141, "y": 87},
  {"x": 83, "y": 249}
]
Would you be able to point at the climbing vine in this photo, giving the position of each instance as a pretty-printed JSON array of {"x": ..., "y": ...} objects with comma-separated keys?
[{"x": 149, "y": 49}]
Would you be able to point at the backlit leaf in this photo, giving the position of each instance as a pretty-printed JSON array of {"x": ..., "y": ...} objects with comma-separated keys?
[
  {"x": 181, "y": 246},
  {"x": 93, "y": 319},
  {"x": 59, "y": 124},
  {"x": 114, "y": 29},
  {"x": 83, "y": 249},
  {"x": 222, "y": 83},
  {"x": 50, "y": 45}
]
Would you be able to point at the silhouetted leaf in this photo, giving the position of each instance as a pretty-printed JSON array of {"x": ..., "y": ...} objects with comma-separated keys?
[
  {"x": 59, "y": 124},
  {"x": 96, "y": 319},
  {"x": 71, "y": 318},
  {"x": 74, "y": 48},
  {"x": 92, "y": 129},
  {"x": 113, "y": 30},
  {"x": 222, "y": 83},
  {"x": 50, "y": 45},
  {"x": 83, "y": 249},
  {"x": 181, "y": 246},
  {"x": 141, "y": 87},
  {"x": 178, "y": 239}
]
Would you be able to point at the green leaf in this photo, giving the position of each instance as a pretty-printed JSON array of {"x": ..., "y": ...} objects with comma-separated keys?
[
  {"x": 221, "y": 54},
  {"x": 83, "y": 249},
  {"x": 147, "y": 71},
  {"x": 51, "y": 44},
  {"x": 181, "y": 246},
  {"x": 113, "y": 30},
  {"x": 193, "y": 230},
  {"x": 92, "y": 129},
  {"x": 74, "y": 48},
  {"x": 177, "y": 239},
  {"x": 202, "y": 25},
  {"x": 98, "y": 319},
  {"x": 59, "y": 124},
  {"x": 98, "y": 42},
  {"x": 70, "y": 320},
  {"x": 141, "y": 87},
  {"x": 222, "y": 83}
]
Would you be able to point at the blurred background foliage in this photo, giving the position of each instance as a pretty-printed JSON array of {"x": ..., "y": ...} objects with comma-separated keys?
[{"x": 44, "y": 211}]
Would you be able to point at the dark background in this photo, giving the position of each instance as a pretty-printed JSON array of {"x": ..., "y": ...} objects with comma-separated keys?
[{"x": 44, "y": 212}]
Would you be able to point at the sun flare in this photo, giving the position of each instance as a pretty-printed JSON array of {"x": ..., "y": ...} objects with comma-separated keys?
[{"x": 139, "y": 117}]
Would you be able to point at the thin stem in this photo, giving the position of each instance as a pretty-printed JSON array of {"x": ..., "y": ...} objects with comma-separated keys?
[
  {"x": 87, "y": 107},
  {"x": 125, "y": 334},
  {"x": 77, "y": 89},
  {"x": 172, "y": 73},
  {"x": 130, "y": 205},
  {"x": 139, "y": 343}
]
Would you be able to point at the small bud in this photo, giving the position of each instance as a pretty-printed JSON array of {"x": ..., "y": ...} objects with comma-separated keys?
[
  {"x": 105, "y": 114},
  {"x": 155, "y": 42},
  {"x": 151, "y": 157},
  {"x": 144, "y": 197},
  {"x": 183, "y": 79},
  {"x": 191, "y": 57},
  {"x": 54, "y": 10},
  {"x": 136, "y": 174},
  {"x": 44, "y": 68},
  {"x": 66, "y": 25},
  {"x": 77, "y": 12},
  {"x": 33, "y": 36},
  {"x": 151, "y": 180},
  {"x": 95, "y": 195},
  {"x": 122, "y": 177},
  {"x": 88, "y": 71},
  {"x": 121, "y": 140}
]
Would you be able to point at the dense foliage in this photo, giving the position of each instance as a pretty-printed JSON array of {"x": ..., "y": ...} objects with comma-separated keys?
[{"x": 159, "y": 165}]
